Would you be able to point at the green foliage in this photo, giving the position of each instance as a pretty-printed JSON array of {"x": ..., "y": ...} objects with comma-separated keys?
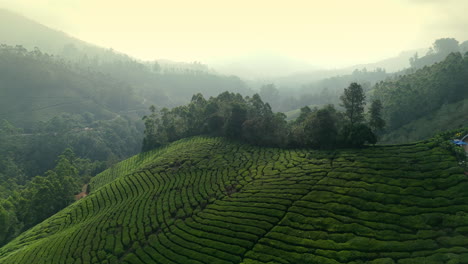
[
  {"x": 419, "y": 94},
  {"x": 321, "y": 128},
  {"x": 353, "y": 100},
  {"x": 445, "y": 141},
  {"x": 447, "y": 117},
  {"x": 376, "y": 123},
  {"x": 95, "y": 141},
  {"x": 228, "y": 114},
  {"x": 43, "y": 196},
  {"x": 9, "y": 226},
  {"x": 355, "y": 132}
]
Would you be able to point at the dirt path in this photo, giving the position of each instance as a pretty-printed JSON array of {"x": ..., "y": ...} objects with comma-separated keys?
[{"x": 83, "y": 193}]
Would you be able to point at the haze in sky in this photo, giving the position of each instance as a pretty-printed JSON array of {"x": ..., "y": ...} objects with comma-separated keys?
[{"x": 333, "y": 33}]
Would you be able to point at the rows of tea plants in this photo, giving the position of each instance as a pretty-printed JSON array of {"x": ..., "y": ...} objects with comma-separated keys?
[
  {"x": 404, "y": 204},
  {"x": 139, "y": 161},
  {"x": 207, "y": 200}
]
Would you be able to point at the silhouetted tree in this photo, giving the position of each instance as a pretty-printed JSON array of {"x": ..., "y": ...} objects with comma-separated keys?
[
  {"x": 376, "y": 123},
  {"x": 353, "y": 100}
]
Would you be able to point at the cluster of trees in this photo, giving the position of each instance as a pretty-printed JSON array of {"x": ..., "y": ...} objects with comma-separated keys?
[
  {"x": 34, "y": 151},
  {"x": 251, "y": 120},
  {"x": 42, "y": 196},
  {"x": 49, "y": 149}
]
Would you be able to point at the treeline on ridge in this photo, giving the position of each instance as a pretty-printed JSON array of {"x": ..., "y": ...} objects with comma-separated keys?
[
  {"x": 251, "y": 120},
  {"x": 412, "y": 96}
]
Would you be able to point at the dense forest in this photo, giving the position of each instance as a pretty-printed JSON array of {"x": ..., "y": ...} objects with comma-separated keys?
[{"x": 409, "y": 97}]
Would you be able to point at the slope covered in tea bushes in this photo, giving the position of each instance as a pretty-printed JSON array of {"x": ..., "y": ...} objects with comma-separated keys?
[{"x": 208, "y": 200}]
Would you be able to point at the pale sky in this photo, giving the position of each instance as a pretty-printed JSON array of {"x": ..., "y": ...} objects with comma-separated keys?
[{"x": 327, "y": 33}]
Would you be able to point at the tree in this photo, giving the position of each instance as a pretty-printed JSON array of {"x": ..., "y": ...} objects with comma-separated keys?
[
  {"x": 446, "y": 46},
  {"x": 270, "y": 94},
  {"x": 9, "y": 226},
  {"x": 376, "y": 122},
  {"x": 321, "y": 128},
  {"x": 233, "y": 125},
  {"x": 353, "y": 100},
  {"x": 153, "y": 137},
  {"x": 414, "y": 59},
  {"x": 464, "y": 47},
  {"x": 46, "y": 195},
  {"x": 358, "y": 135},
  {"x": 305, "y": 112}
]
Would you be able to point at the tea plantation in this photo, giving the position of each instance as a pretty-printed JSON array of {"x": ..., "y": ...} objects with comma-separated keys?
[{"x": 208, "y": 200}]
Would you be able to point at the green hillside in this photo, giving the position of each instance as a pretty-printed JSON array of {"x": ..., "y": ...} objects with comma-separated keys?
[
  {"x": 449, "y": 116},
  {"x": 208, "y": 200}
]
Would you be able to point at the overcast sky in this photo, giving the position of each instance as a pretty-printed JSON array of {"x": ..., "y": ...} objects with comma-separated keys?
[{"x": 331, "y": 33}]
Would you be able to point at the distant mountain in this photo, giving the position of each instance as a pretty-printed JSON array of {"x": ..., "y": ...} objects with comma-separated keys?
[
  {"x": 267, "y": 67},
  {"x": 16, "y": 29},
  {"x": 390, "y": 65},
  {"x": 163, "y": 83},
  {"x": 261, "y": 66},
  {"x": 36, "y": 87}
]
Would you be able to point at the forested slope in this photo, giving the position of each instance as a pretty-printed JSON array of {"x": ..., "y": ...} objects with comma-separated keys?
[
  {"x": 208, "y": 200},
  {"x": 447, "y": 117},
  {"x": 410, "y": 97},
  {"x": 37, "y": 87}
]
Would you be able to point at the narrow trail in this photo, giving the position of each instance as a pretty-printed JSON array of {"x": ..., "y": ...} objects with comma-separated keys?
[{"x": 83, "y": 193}]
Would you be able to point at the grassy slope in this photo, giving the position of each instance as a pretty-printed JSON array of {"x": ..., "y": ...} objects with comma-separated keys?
[
  {"x": 448, "y": 117},
  {"x": 206, "y": 200}
]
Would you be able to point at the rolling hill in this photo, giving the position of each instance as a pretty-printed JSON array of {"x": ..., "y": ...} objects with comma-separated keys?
[
  {"x": 161, "y": 82},
  {"x": 19, "y": 30},
  {"x": 208, "y": 200}
]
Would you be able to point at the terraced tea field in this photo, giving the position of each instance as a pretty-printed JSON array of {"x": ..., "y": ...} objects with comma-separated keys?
[{"x": 207, "y": 200}]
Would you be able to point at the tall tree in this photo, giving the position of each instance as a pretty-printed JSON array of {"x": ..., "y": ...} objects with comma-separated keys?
[
  {"x": 376, "y": 122},
  {"x": 353, "y": 100},
  {"x": 446, "y": 46},
  {"x": 233, "y": 125}
]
